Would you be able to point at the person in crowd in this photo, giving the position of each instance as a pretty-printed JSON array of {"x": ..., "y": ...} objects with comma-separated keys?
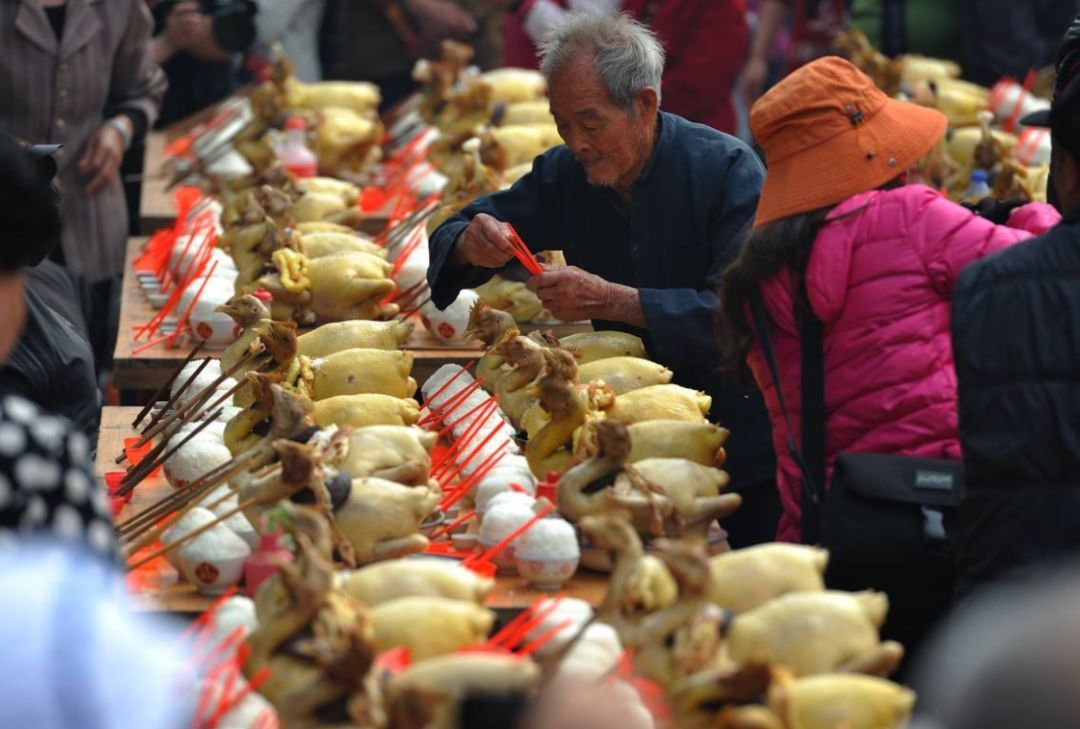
[
  {"x": 52, "y": 364},
  {"x": 926, "y": 27},
  {"x": 1001, "y": 37},
  {"x": 704, "y": 43},
  {"x": 78, "y": 653},
  {"x": 814, "y": 24},
  {"x": 1014, "y": 333},
  {"x": 839, "y": 236},
  {"x": 201, "y": 47},
  {"x": 1007, "y": 659},
  {"x": 380, "y": 41},
  {"x": 46, "y": 486},
  {"x": 295, "y": 24},
  {"x": 896, "y": 27},
  {"x": 648, "y": 209},
  {"x": 80, "y": 74}
]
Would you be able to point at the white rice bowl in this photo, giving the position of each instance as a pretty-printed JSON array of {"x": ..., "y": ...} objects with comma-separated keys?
[
  {"x": 548, "y": 539},
  {"x": 195, "y": 459}
]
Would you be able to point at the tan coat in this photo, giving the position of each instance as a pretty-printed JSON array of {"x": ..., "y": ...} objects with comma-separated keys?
[{"x": 58, "y": 92}]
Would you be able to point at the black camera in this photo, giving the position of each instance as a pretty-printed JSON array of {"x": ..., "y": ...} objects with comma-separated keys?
[{"x": 231, "y": 21}]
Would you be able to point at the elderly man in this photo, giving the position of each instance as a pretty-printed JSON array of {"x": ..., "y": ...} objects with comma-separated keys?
[{"x": 648, "y": 209}]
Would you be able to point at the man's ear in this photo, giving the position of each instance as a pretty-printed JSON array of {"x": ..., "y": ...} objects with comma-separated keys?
[{"x": 647, "y": 102}]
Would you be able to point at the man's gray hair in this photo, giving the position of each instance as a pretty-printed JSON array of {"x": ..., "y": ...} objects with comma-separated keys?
[{"x": 628, "y": 55}]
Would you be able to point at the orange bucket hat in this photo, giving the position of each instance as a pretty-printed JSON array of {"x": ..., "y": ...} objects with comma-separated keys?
[{"x": 829, "y": 133}]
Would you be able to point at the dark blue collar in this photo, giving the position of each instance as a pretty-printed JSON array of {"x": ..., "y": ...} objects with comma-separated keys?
[{"x": 665, "y": 131}]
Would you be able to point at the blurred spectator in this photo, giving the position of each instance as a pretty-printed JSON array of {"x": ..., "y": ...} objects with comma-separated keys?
[
  {"x": 872, "y": 261},
  {"x": 1016, "y": 318},
  {"x": 295, "y": 24},
  {"x": 46, "y": 484},
  {"x": 1005, "y": 37},
  {"x": 77, "y": 653},
  {"x": 1006, "y": 660},
  {"x": 814, "y": 24},
  {"x": 201, "y": 46},
  {"x": 380, "y": 41},
  {"x": 82, "y": 75},
  {"x": 927, "y": 27},
  {"x": 704, "y": 41}
]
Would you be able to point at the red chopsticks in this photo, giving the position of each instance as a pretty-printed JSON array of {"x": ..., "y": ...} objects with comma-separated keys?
[{"x": 523, "y": 254}]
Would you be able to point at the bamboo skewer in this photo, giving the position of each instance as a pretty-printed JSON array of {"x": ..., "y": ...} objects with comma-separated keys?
[
  {"x": 165, "y": 408},
  {"x": 195, "y": 403},
  {"x": 137, "y": 474},
  {"x": 149, "y": 536},
  {"x": 248, "y": 503},
  {"x": 168, "y": 384}
]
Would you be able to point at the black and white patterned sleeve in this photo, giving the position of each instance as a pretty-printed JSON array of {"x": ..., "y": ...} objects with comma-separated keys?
[{"x": 47, "y": 487}]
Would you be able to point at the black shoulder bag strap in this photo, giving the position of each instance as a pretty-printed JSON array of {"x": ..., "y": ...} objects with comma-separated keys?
[{"x": 811, "y": 458}]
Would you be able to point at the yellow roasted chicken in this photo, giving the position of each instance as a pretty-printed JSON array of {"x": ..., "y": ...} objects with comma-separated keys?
[
  {"x": 385, "y": 581},
  {"x": 430, "y": 626},
  {"x": 360, "y": 411}
]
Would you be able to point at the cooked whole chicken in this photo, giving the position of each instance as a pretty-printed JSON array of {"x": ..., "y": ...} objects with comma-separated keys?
[
  {"x": 811, "y": 633},
  {"x": 350, "y": 286},
  {"x": 332, "y": 288},
  {"x": 841, "y": 701},
  {"x": 512, "y": 297},
  {"x": 661, "y": 402},
  {"x": 429, "y": 693},
  {"x": 623, "y": 374},
  {"x": 430, "y": 626},
  {"x": 661, "y": 495},
  {"x": 353, "y": 334},
  {"x": 397, "y": 578},
  {"x": 698, "y": 442},
  {"x": 591, "y": 346},
  {"x": 640, "y": 583},
  {"x": 360, "y": 371},
  {"x": 381, "y": 518},
  {"x": 317, "y": 642},
  {"x": 319, "y": 245},
  {"x": 747, "y": 578},
  {"x": 361, "y": 411},
  {"x": 392, "y": 452}
]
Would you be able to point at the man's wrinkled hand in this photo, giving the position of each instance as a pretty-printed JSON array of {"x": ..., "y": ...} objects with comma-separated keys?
[
  {"x": 101, "y": 160},
  {"x": 485, "y": 243},
  {"x": 572, "y": 294}
]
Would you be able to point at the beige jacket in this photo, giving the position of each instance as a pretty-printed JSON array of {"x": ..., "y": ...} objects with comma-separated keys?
[{"x": 58, "y": 92}]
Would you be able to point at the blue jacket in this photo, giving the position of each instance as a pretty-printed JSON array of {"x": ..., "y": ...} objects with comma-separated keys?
[{"x": 690, "y": 210}]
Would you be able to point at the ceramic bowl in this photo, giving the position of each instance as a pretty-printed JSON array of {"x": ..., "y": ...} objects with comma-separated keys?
[
  {"x": 505, "y": 561},
  {"x": 214, "y": 561},
  {"x": 214, "y": 576},
  {"x": 546, "y": 574},
  {"x": 464, "y": 542}
]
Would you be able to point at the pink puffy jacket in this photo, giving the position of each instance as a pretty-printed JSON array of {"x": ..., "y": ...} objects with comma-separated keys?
[{"x": 880, "y": 278}]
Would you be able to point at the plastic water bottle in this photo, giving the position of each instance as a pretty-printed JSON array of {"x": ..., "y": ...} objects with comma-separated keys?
[
  {"x": 979, "y": 188},
  {"x": 295, "y": 155}
]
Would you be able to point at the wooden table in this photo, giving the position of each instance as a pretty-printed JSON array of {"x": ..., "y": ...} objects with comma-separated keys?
[
  {"x": 158, "y": 586},
  {"x": 156, "y": 207},
  {"x": 151, "y": 368}
]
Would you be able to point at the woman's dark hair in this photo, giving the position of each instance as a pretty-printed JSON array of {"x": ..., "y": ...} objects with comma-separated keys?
[
  {"x": 29, "y": 214},
  {"x": 784, "y": 244}
]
